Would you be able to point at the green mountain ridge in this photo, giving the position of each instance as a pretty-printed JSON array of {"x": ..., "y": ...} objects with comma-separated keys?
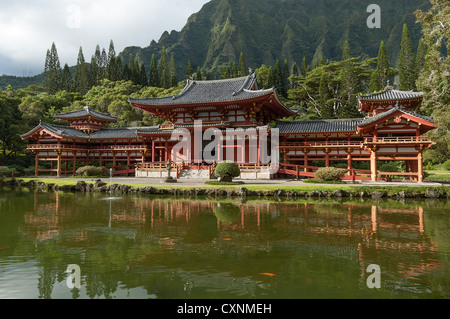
[{"x": 267, "y": 30}]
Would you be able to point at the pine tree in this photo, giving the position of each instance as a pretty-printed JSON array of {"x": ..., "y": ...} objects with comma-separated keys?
[
  {"x": 305, "y": 67},
  {"x": 173, "y": 74},
  {"x": 420, "y": 57},
  {"x": 383, "y": 72},
  {"x": 407, "y": 68},
  {"x": 82, "y": 82},
  {"x": 52, "y": 70},
  {"x": 225, "y": 72},
  {"x": 143, "y": 79},
  {"x": 295, "y": 70},
  {"x": 67, "y": 81},
  {"x": 326, "y": 108},
  {"x": 286, "y": 75},
  {"x": 189, "y": 70},
  {"x": 153, "y": 78},
  {"x": 234, "y": 70},
  {"x": 348, "y": 85},
  {"x": 278, "y": 78},
  {"x": 198, "y": 74},
  {"x": 242, "y": 69},
  {"x": 163, "y": 70}
]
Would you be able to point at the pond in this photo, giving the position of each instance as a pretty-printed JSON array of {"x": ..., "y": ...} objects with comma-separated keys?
[{"x": 144, "y": 247}]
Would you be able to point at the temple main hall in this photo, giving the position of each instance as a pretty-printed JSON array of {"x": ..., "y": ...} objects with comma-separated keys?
[{"x": 238, "y": 114}]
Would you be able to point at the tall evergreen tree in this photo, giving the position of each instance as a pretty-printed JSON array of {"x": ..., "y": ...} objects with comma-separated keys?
[
  {"x": 173, "y": 74},
  {"x": 82, "y": 82},
  {"x": 242, "y": 69},
  {"x": 234, "y": 70},
  {"x": 278, "y": 78},
  {"x": 163, "y": 70},
  {"x": 286, "y": 75},
  {"x": 67, "y": 80},
  {"x": 325, "y": 107},
  {"x": 143, "y": 78},
  {"x": 113, "y": 65},
  {"x": 295, "y": 70},
  {"x": 348, "y": 83},
  {"x": 189, "y": 70},
  {"x": 52, "y": 70},
  {"x": 420, "y": 57},
  {"x": 383, "y": 72},
  {"x": 225, "y": 72},
  {"x": 407, "y": 63},
  {"x": 305, "y": 67},
  {"x": 198, "y": 74},
  {"x": 153, "y": 78}
]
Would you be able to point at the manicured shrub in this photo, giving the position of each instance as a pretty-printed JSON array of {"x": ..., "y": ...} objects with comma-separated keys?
[
  {"x": 92, "y": 171},
  {"x": 225, "y": 171},
  {"x": 330, "y": 174}
]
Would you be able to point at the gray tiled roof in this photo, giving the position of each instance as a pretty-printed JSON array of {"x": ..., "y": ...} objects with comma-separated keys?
[
  {"x": 234, "y": 89},
  {"x": 69, "y": 132},
  {"x": 393, "y": 110},
  {"x": 391, "y": 95},
  {"x": 318, "y": 126},
  {"x": 86, "y": 111}
]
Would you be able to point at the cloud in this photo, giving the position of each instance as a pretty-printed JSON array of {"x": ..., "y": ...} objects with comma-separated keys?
[{"x": 29, "y": 27}]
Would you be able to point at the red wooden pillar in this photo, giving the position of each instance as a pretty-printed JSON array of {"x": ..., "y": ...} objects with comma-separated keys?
[
  {"x": 153, "y": 150},
  {"x": 373, "y": 165},
  {"x": 36, "y": 163},
  {"x": 58, "y": 167},
  {"x": 420, "y": 167}
]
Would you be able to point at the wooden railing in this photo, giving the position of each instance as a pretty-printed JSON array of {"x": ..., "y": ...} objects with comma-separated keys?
[
  {"x": 86, "y": 147},
  {"x": 322, "y": 144},
  {"x": 397, "y": 140},
  {"x": 308, "y": 171}
]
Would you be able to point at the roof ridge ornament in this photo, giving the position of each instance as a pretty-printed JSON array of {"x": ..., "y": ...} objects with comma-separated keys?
[{"x": 389, "y": 87}]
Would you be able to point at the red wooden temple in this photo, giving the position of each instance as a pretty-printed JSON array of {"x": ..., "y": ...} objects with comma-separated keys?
[{"x": 240, "y": 113}]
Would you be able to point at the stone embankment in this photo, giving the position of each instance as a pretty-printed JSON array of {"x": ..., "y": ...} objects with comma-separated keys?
[{"x": 100, "y": 186}]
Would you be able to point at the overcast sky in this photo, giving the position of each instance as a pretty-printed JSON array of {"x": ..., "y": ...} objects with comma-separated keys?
[{"x": 28, "y": 28}]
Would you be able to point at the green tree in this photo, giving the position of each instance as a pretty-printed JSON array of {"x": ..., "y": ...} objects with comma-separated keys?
[
  {"x": 113, "y": 65},
  {"x": 383, "y": 72},
  {"x": 278, "y": 78},
  {"x": 349, "y": 85},
  {"x": 52, "y": 70},
  {"x": 325, "y": 107},
  {"x": 242, "y": 70},
  {"x": 67, "y": 83},
  {"x": 198, "y": 74},
  {"x": 154, "y": 77},
  {"x": 173, "y": 74},
  {"x": 82, "y": 81},
  {"x": 189, "y": 70},
  {"x": 407, "y": 67},
  {"x": 264, "y": 75},
  {"x": 163, "y": 70},
  {"x": 10, "y": 126},
  {"x": 420, "y": 57},
  {"x": 434, "y": 77},
  {"x": 305, "y": 67}
]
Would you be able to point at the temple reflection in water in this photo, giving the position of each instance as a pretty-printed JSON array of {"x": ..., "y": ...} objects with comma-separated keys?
[{"x": 170, "y": 247}]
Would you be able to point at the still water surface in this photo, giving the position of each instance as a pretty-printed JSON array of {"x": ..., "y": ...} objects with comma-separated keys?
[{"x": 147, "y": 247}]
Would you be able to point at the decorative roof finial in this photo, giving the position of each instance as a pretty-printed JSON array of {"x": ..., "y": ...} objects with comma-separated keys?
[{"x": 388, "y": 86}]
